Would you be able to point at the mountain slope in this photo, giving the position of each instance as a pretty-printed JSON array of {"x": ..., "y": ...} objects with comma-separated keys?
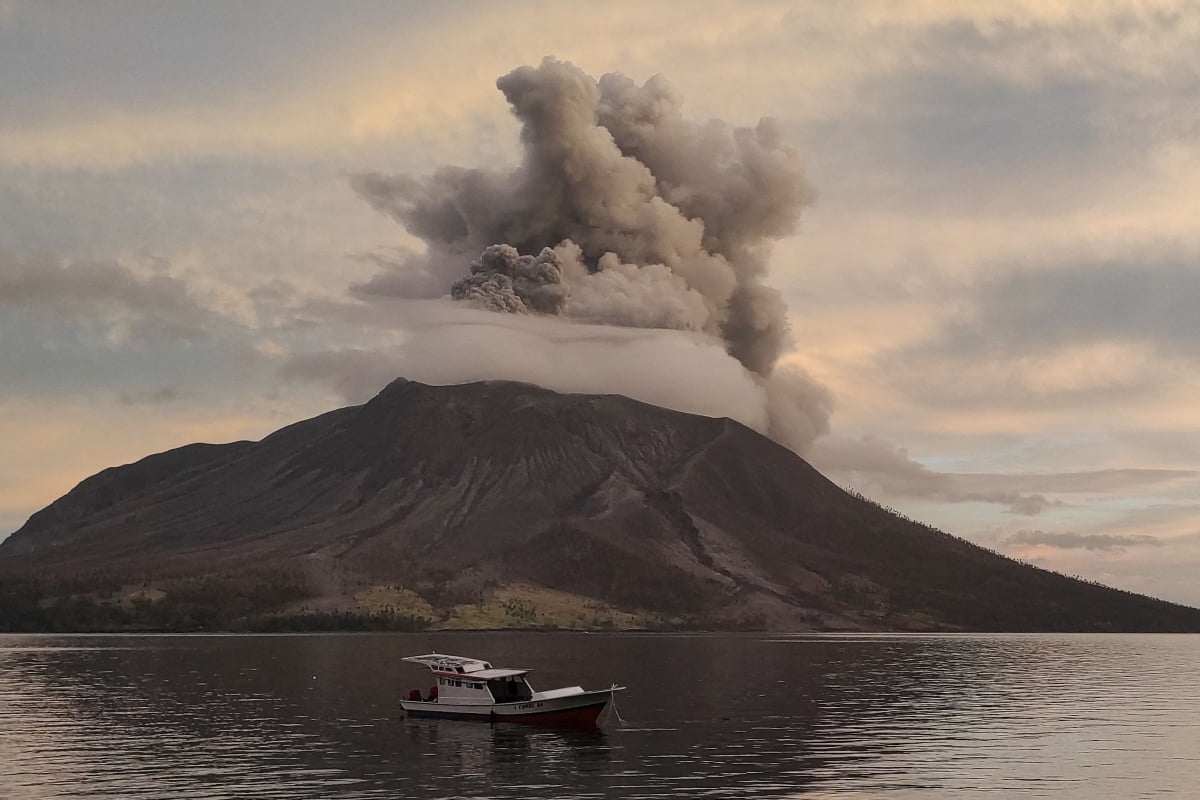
[{"x": 444, "y": 496}]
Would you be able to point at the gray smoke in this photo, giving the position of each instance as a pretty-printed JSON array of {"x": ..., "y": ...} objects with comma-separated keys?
[
  {"x": 621, "y": 212},
  {"x": 504, "y": 280},
  {"x": 615, "y": 168}
]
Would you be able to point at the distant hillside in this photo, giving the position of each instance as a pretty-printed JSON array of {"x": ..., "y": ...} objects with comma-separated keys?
[{"x": 506, "y": 505}]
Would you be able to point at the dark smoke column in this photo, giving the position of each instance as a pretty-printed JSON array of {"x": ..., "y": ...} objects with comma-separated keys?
[{"x": 650, "y": 219}]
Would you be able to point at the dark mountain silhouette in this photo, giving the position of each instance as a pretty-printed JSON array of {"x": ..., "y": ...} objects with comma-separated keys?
[{"x": 506, "y": 504}]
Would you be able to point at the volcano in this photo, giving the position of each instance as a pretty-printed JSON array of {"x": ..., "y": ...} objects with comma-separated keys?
[{"x": 499, "y": 504}]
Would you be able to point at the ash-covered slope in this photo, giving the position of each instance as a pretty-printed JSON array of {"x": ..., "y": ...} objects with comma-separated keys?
[{"x": 453, "y": 491}]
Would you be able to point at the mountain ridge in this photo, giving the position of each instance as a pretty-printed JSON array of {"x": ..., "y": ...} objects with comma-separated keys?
[{"x": 441, "y": 497}]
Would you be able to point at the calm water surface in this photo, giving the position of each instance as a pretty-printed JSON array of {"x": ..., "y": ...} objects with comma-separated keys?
[{"x": 316, "y": 716}]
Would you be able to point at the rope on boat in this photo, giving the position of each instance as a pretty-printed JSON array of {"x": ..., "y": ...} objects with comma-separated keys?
[{"x": 612, "y": 703}]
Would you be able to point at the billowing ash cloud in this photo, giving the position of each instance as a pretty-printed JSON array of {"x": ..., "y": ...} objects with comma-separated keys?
[
  {"x": 621, "y": 212},
  {"x": 504, "y": 280}
]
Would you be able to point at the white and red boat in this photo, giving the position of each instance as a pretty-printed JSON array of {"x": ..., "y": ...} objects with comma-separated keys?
[{"x": 468, "y": 688}]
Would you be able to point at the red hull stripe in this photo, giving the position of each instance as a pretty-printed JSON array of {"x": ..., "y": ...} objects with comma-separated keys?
[{"x": 582, "y": 715}]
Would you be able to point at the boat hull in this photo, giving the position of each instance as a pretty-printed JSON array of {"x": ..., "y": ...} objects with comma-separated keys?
[{"x": 578, "y": 709}]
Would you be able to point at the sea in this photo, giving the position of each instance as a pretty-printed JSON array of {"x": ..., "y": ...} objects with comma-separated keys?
[{"x": 704, "y": 716}]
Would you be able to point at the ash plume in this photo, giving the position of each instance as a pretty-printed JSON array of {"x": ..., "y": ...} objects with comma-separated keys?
[
  {"x": 504, "y": 280},
  {"x": 621, "y": 212}
]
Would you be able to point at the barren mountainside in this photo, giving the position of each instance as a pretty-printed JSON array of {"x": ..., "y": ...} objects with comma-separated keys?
[{"x": 503, "y": 504}]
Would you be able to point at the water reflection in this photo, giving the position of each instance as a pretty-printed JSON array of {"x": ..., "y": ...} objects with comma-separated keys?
[
  {"x": 715, "y": 716},
  {"x": 479, "y": 755}
]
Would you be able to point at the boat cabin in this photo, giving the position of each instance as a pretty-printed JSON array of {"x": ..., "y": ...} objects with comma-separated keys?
[{"x": 468, "y": 681}]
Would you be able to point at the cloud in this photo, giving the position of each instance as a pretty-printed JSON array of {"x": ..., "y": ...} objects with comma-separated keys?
[
  {"x": 441, "y": 342},
  {"x": 403, "y": 274},
  {"x": 877, "y": 467},
  {"x": 974, "y": 123},
  {"x": 310, "y": 78},
  {"x": 167, "y": 394},
  {"x": 291, "y": 79},
  {"x": 1160, "y": 565},
  {"x": 355, "y": 374},
  {"x": 1093, "y": 481},
  {"x": 103, "y": 293},
  {"x": 1044, "y": 309},
  {"x": 1087, "y": 541},
  {"x": 1110, "y": 340},
  {"x": 101, "y": 329}
]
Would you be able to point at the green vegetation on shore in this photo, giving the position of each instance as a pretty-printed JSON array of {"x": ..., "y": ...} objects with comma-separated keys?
[{"x": 281, "y": 603}]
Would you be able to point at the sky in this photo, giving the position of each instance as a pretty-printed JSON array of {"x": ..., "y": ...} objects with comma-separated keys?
[{"x": 989, "y": 262}]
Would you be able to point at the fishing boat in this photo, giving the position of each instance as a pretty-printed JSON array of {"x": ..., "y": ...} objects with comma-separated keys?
[{"x": 469, "y": 688}]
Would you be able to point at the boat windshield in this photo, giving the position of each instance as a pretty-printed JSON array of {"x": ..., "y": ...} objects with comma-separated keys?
[{"x": 511, "y": 689}]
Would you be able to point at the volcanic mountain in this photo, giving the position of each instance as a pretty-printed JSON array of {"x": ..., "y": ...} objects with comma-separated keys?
[{"x": 504, "y": 504}]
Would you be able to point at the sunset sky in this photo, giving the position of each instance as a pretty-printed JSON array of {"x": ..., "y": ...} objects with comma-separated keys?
[{"x": 996, "y": 282}]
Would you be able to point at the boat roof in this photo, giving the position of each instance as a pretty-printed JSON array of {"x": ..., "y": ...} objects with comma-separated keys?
[
  {"x": 463, "y": 665},
  {"x": 491, "y": 674}
]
